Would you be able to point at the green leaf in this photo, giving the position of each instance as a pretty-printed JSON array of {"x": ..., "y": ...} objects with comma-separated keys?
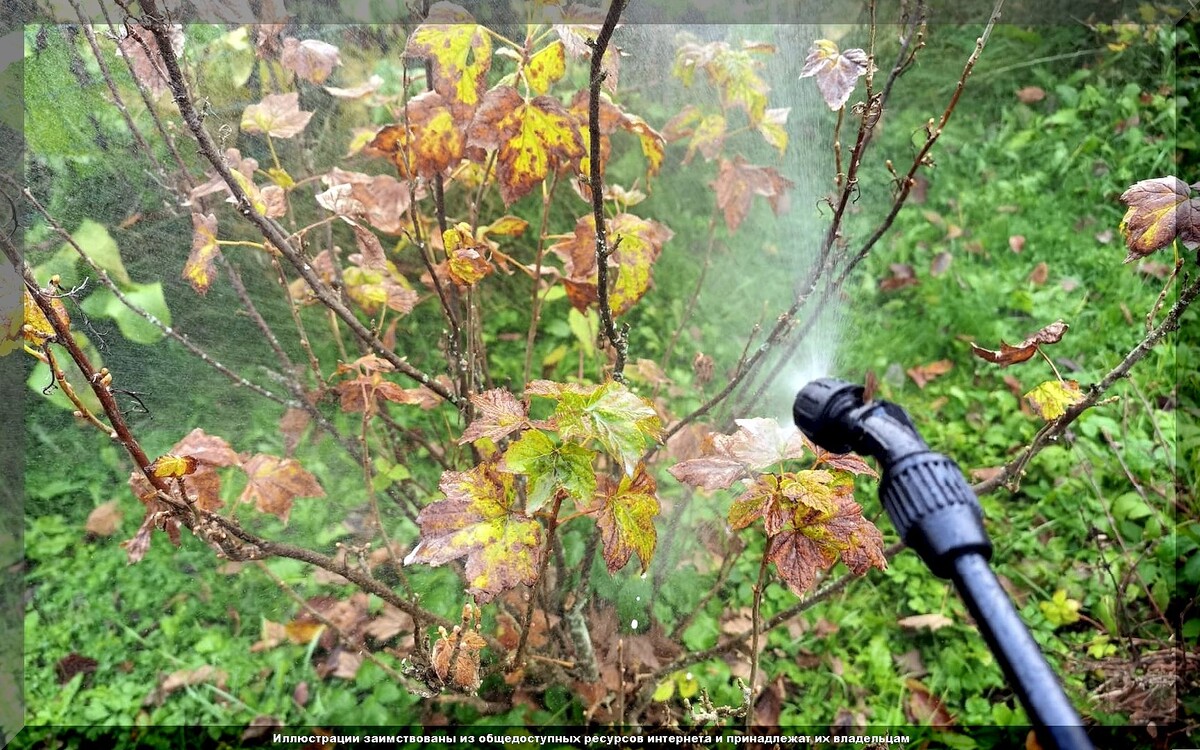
[
  {"x": 477, "y": 520},
  {"x": 665, "y": 690},
  {"x": 585, "y": 327},
  {"x": 95, "y": 240},
  {"x": 551, "y": 467},
  {"x": 619, "y": 419},
  {"x": 134, "y": 327},
  {"x": 1060, "y": 610},
  {"x": 626, "y": 520}
]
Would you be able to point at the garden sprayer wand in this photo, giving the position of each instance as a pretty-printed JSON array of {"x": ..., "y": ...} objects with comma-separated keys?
[{"x": 937, "y": 515}]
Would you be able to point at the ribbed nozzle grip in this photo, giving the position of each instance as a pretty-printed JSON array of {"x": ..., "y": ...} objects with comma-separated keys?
[{"x": 934, "y": 510}]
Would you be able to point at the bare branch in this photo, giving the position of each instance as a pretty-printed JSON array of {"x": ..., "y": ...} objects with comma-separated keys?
[{"x": 618, "y": 339}]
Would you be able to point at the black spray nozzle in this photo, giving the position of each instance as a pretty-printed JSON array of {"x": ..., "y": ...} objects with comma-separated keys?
[
  {"x": 938, "y": 516},
  {"x": 932, "y": 506}
]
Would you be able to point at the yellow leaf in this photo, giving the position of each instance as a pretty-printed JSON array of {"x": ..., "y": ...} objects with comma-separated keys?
[
  {"x": 506, "y": 226},
  {"x": 199, "y": 271},
  {"x": 37, "y": 328},
  {"x": 461, "y": 52},
  {"x": 169, "y": 465},
  {"x": 772, "y": 130},
  {"x": 281, "y": 178},
  {"x": 545, "y": 67},
  {"x": 251, "y": 190},
  {"x": 466, "y": 264},
  {"x": 531, "y": 138},
  {"x": 1052, "y": 398}
]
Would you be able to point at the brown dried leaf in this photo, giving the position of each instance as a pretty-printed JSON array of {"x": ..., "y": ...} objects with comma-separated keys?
[
  {"x": 1010, "y": 355},
  {"x": 932, "y": 621},
  {"x": 311, "y": 59},
  {"x": 922, "y": 374},
  {"x": 940, "y": 263},
  {"x": 272, "y": 483},
  {"x": 902, "y": 275},
  {"x": 292, "y": 426},
  {"x": 140, "y": 47},
  {"x": 72, "y": 664},
  {"x": 207, "y": 449},
  {"x": 1039, "y": 274},
  {"x": 924, "y": 708},
  {"x": 499, "y": 413},
  {"x": 464, "y": 673},
  {"x": 105, "y": 519},
  {"x": 277, "y": 115},
  {"x": 1030, "y": 94},
  {"x": 1016, "y": 243},
  {"x": 182, "y": 678},
  {"x": 738, "y": 182},
  {"x": 381, "y": 199}
]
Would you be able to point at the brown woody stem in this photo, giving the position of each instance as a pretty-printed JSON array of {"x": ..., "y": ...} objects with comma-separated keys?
[{"x": 618, "y": 339}]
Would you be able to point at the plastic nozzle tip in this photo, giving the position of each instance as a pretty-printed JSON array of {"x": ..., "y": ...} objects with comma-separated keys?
[{"x": 819, "y": 409}]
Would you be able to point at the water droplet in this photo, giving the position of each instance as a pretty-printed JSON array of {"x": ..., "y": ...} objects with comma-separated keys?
[
  {"x": 633, "y": 625},
  {"x": 689, "y": 676},
  {"x": 638, "y": 598}
]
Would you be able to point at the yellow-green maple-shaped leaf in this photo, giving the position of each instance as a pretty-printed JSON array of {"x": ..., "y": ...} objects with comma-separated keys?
[
  {"x": 460, "y": 49},
  {"x": 546, "y": 66},
  {"x": 200, "y": 269},
  {"x": 835, "y": 72},
  {"x": 1052, "y": 398},
  {"x": 272, "y": 483},
  {"x": 734, "y": 72},
  {"x": 531, "y": 139},
  {"x": 625, "y": 516},
  {"x": 620, "y": 420},
  {"x": 428, "y": 142},
  {"x": 498, "y": 414},
  {"x": 505, "y": 226},
  {"x": 1159, "y": 211},
  {"x": 653, "y": 143},
  {"x": 762, "y": 499},
  {"x": 10, "y": 330},
  {"x": 550, "y": 468},
  {"x": 478, "y": 521}
]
